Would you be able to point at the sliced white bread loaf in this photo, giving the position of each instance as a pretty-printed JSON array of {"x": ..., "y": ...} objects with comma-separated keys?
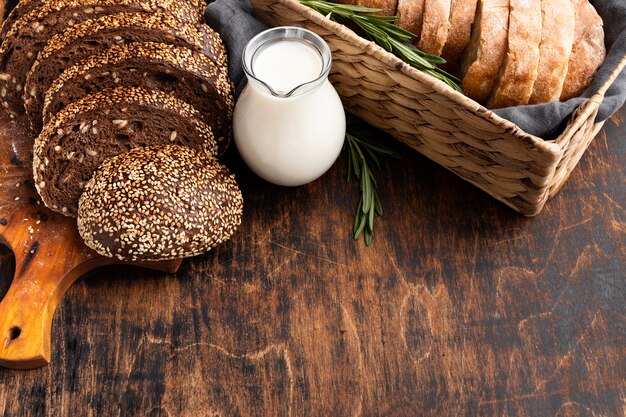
[
  {"x": 557, "y": 38},
  {"x": 588, "y": 51},
  {"x": 410, "y": 15},
  {"x": 514, "y": 84},
  {"x": 435, "y": 26},
  {"x": 462, "y": 14},
  {"x": 487, "y": 49}
]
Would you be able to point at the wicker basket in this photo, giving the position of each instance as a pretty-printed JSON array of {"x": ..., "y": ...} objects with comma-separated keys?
[{"x": 521, "y": 170}]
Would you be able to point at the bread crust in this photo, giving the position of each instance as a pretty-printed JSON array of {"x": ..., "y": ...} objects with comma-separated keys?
[
  {"x": 514, "y": 84},
  {"x": 588, "y": 51},
  {"x": 557, "y": 38},
  {"x": 462, "y": 14},
  {"x": 487, "y": 49},
  {"x": 435, "y": 26},
  {"x": 410, "y": 16},
  {"x": 388, "y": 6}
]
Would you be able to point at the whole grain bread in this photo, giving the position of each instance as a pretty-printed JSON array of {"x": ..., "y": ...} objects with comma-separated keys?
[
  {"x": 487, "y": 49},
  {"x": 158, "y": 203},
  {"x": 514, "y": 84},
  {"x": 28, "y": 35},
  {"x": 185, "y": 74},
  {"x": 462, "y": 14},
  {"x": 435, "y": 26},
  {"x": 557, "y": 38},
  {"x": 96, "y": 36},
  {"x": 588, "y": 50},
  {"x": 102, "y": 125},
  {"x": 411, "y": 15}
]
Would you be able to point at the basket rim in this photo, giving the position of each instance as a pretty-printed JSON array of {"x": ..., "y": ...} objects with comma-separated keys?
[{"x": 395, "y": 63}]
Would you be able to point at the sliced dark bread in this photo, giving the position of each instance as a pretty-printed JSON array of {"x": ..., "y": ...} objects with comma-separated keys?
[
  {"x": 102, "y": 125},
  {"x": 185, "y": 74},
  {"x": 24, "y": 7},
  {"x": 31, "y": 32}
]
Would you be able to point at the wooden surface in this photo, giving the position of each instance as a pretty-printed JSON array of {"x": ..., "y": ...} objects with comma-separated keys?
[
  {"x": 461, "y": 307},
  {"x": 48, "y": 252}
]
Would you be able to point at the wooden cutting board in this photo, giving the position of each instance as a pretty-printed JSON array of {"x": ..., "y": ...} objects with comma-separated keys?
[{"x": 49, "y": 256}]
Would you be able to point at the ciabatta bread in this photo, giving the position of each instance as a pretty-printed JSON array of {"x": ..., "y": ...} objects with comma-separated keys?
[
  {"x": 514, "y": 84},
  {"x": 462, "y": 14},
  {"x": 487, "y": 49},
  {"x": 410, "y": 16},
  {"x": 588, "y": 51},
  {"x": 557, "y": 38},
  {"x": 435, "y": 26}
]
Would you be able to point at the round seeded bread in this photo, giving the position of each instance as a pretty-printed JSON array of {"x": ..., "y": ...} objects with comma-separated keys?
[
  {"x": 588, "y": 51},
  {"x": 514, "y": 84},
  {"x": 159, "y": 203},
  {"x": 487, "y": 49},
  {"x": 102, "y": 125},
  {"x": 29, "y": 34},
  {"x": 557, "y": 38},
  {"x": 97, "y": 35},
  {"x": 185, "y": 74}
]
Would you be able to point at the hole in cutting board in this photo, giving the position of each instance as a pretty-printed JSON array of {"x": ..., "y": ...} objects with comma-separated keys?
[{"x": 14, "y": 333}]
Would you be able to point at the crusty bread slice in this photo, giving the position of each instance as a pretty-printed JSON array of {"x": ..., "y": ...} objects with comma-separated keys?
[
  {"x": 516, "y": 78},
  {"x": 487, "y": 49},
  {"x": 557, "y": 38},
  {"x": 588, "y": 51},
  {"x": 462, "y": 14},
  {"x": 435, "y": 26},
  {"x": 410, "y": 15},
  {"x": 388, "y": 6}
]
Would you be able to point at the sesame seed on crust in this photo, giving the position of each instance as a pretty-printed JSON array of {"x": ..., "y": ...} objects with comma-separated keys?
[
  {"x": 96, "y": 106},
  {"x": 159, "y": 203}
]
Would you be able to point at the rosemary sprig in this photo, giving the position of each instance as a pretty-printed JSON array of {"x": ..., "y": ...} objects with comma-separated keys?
[
  {"x": 362, "y": 150},
  {"x": 383, "y": 31}
]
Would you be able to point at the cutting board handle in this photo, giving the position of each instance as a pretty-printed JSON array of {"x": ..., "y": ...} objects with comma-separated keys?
[{"x": 27, "y": 310}]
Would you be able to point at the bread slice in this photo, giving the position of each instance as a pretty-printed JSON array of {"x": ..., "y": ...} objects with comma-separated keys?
[
  {"x": 388, "y": 6},
  {"x": 30, "y": 33},
  {"x": 97, "y": 35},
  {"x": 435, "y": 26},
  {"x": 102, "y": 125},
  {"x": 462, "y": 14},
  {"x": 159, "y": 202},
  {"x": 588, "y": 51},
  {"x": 487, "y": 49},
  {"x": 557, "y": 38},
  {"x": 515, "y": 81},
  {"x": 185, "y": 74},
  {"x": 410, "y": 16}
]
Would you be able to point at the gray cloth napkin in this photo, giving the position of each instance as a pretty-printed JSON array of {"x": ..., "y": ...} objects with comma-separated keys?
[{"x": 233, "y": 20}]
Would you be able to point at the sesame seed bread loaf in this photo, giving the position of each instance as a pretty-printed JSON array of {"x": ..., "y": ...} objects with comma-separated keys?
[
  {"x": 96, "y": 36},
  {"x": 105, "y": 124},
  {"x": 185, "y": 74},
  {"x": 462, "y": 13},
  {"x": 487, "y": 49},
  {"x": 514, "y": 84},
  {"x": 588, "y": 51},
  {"x": 435, "y": 26},
  {"x": 557, "y": 38},
  {"x": 410, "y": 16},
  {"x": 158, "y": 203},
  {"x": 29, "y": 34}
]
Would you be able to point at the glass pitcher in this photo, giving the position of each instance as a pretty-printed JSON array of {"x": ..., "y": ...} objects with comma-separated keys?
[{"x": 289, "y": 123}]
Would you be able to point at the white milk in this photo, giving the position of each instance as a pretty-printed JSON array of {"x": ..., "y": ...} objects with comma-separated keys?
[
  {"x": 285, "y": 65},
  {"x": 289, "y": 140}
]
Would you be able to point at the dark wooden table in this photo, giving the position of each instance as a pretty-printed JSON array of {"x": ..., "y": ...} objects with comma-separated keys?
[{"x": 460, "y": 307}]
